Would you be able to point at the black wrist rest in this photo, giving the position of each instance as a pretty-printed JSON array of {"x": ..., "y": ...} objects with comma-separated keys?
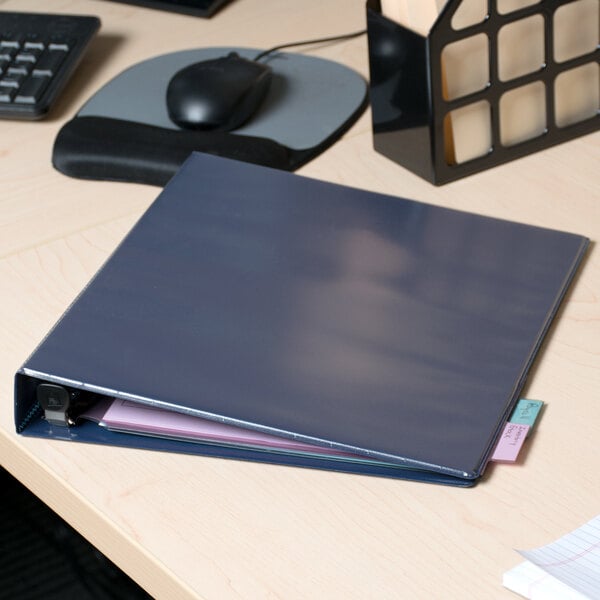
[{"x": 117, "y": 150}]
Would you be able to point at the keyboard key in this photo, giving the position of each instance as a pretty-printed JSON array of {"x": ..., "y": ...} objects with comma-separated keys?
[
  {"x": 19, "y": 70},
  {"x": 35, "y": 52},
  {"x": 58, "y": 46},
  {"x": 32, "y": 89},
  {"x": 11, "y": 80},
  {"x": 25, "y": 58},
  {"x": 33, "y": 46},
  {"x": 11, "y": 41},
  {"x": 49, "y": 61},
  {"x": 32, "y": 39},
  {"x": 60, "y": 42},
  {"x": 7, "y": 94},
  {"x": 8, "y": 52}
]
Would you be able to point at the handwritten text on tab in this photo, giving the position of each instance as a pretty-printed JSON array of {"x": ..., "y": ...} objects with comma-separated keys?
[{"x": 510, "y": 442}]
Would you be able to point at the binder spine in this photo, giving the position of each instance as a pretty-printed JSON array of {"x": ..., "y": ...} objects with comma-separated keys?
[{"x": 27, "y": 408}]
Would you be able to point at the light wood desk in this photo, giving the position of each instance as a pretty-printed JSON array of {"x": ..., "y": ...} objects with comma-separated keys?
[{"x": 186, "y": 526}]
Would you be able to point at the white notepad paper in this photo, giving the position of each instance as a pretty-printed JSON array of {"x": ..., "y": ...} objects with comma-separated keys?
[{"x": 567, "y": 569}]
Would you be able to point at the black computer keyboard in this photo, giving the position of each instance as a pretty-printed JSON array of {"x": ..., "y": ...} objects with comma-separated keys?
[{"x": 38, "y": 54}]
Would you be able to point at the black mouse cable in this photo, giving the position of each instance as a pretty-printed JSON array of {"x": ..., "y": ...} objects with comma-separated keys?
[{"x": 334, "y": 38}]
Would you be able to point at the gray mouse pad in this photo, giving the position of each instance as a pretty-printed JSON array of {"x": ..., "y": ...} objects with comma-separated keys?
[
  {"x": 310, "y": 103},
  {"x": 309, "y": 97}
]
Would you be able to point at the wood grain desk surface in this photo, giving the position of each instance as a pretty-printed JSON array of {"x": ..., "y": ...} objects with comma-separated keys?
[{"x": 193, "y": 527}]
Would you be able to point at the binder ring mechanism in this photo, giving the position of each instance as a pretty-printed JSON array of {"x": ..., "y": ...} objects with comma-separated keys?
[{"x": 62, "y": 406}]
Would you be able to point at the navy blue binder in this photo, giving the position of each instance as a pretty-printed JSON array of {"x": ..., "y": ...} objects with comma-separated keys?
[{"x": 388, "y": 328}]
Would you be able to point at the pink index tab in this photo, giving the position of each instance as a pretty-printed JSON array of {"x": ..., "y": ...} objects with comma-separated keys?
[{"x": 510, "y": 442}]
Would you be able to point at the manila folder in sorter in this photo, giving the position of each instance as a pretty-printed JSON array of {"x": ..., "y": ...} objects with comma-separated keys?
[{"x": 388, "y": 328}]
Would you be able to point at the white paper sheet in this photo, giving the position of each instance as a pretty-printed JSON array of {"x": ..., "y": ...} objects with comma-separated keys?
[{"x": 567, "y": 569}]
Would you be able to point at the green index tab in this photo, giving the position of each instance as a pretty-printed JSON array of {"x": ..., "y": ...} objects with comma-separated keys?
[{"x": 526, "y": 412}]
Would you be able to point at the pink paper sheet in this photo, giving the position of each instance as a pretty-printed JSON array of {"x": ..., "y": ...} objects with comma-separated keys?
[{"x": 141, "y": 418}]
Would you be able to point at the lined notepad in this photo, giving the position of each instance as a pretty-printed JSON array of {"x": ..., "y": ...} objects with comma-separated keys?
[{"x": 567, "y": 569}]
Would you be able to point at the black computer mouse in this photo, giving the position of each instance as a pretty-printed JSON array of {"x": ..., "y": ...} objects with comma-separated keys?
[{"x": 219, "y": 94}]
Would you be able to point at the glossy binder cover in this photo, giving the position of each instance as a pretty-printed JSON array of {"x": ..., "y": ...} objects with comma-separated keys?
[{"x": 385, "y": 327}]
